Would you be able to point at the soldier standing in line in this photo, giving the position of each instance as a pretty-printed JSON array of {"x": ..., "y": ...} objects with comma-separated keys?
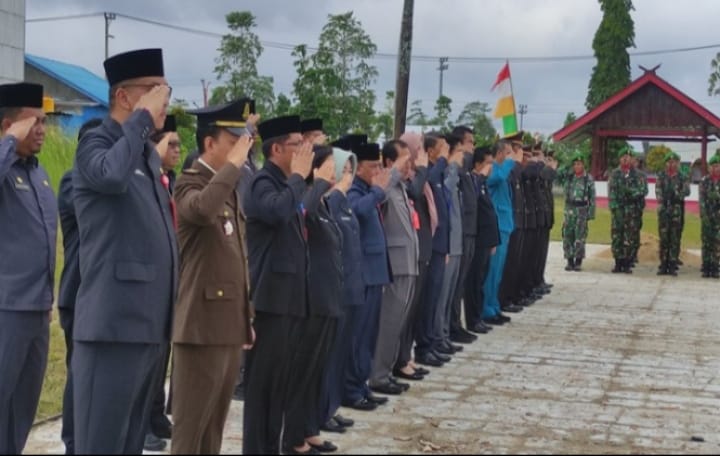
[
  {"x": 625, "y": 188},
  {"x": 671, "y": 189},
  {"x": 579, "y": 208},
  {"x": 639, "y": 205},
  {"x": 710, "y": 217}
]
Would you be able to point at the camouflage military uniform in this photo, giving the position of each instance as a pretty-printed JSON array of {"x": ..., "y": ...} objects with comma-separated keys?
[
  {"x": 670, "y": 192},
  {"x": 639, "y": 207},
  {"x": 579, "y": 208},
  {"x": 625, "y": 188},
  {"x": 710, "y": 216}
]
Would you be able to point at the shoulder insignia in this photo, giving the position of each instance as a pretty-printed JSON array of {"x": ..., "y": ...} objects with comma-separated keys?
[{"x": 191, "y": 171}]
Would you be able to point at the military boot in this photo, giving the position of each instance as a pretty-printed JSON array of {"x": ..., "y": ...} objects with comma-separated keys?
[
  {"x": 672, "y": 269},
  {"x": 627, "y": 266},
  {"x": 663, "y": 269},
  {"x": 570, "y": 265},
  {"x": 715, "y": 272},
  {"x": 705, "y": 271},
  {"x": 618, "y": 267},
  {"x": 578, "y": 264}
]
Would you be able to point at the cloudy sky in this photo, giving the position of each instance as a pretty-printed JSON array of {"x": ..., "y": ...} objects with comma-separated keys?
[{"x": 453, "y": 28}]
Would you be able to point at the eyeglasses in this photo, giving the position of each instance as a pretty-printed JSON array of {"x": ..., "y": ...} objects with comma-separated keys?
[{"x": 149, "y": 87}]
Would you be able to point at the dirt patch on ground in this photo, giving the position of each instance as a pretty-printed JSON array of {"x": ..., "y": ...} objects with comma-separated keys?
[{"x": 649, "y": 252}]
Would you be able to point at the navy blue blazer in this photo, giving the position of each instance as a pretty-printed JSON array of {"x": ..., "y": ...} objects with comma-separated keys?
[
  {"x": 70, "y": 278},
  {"x": 352, "y": 256},
  {"x": 436, "y": 179},
  {"x": 128, "y": 248},
  {"x": 364, "y": 201}
]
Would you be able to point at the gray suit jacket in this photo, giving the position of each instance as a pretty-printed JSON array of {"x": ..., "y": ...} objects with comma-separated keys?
[
  {"x": 403, "y": 247},
  {"x": 128, "y": 248}
]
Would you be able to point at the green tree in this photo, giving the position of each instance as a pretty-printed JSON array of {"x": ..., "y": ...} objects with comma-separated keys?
[
  {"x": 714, "y": 81},
  {"x": 611, "y": 73},
  {"x": 564, "y": 151},
  {"x": 417, "y": 116},
  {"x": 236, "y": 67},
  {"x": 384, "y": 120},
  {"x": 475, "y": 116},
  {"x": 334, "y": 83},
  {"x": 613, "y": 38},
  {"x": 443, "y": 109},
  {"x": 186, "y": 125},
  {"x": 283, "y": 106}
]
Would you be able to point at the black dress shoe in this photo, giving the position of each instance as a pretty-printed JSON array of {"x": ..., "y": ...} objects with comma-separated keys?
[
  {"x": 154, "y": 443},
  {"x": 512, "y": 309},
  {"x": 462, "y": 337},
  {"x": 421, "y": 371},
  {"x": 442, "y": 357},
  {"x": 387, "y": 388},
  {"x": 444, "y": 349},
  {"x": 494, "y": 321},
  {"x": 333, "y": 426},
  {"x": 413, "y": 377},
  {"x": 362, "y": 404},
  {"x": 377, "y": 400},
  {"x": 326, "y": 447},
  {"x": 162, "y": 428},
  {"x": 479, "y": 329},
  {"x": 457, "y": 348},
  {"x": 505, "y": 318},
  {"x": 429, "y": 360},
  {"x": 344, "y": 422},
  {"x": 403, "y": 386}
]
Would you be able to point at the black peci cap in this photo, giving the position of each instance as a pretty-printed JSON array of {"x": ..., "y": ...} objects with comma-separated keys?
[
  {"x": 279, "y": 126},
  {"x": 311, "y": 125},
  {"x": 170, "y": 124},
  {"x": 367, "y": 152},
  {"x": 134, "y": 64},
  {"x": 21, "y": 95},
  {"x": 349, "y": 142}
]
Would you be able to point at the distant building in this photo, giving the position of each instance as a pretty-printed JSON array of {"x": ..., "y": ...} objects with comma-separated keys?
[
  {"x": 12, "y": 40},
  {"x": 77, "y": 94}
]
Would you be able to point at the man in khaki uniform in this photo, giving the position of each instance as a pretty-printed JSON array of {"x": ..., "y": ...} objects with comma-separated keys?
[{"x": 212, "y": 314}]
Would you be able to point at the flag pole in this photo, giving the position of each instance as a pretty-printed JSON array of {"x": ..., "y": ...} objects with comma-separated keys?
[{"x": 512, "y": 91}]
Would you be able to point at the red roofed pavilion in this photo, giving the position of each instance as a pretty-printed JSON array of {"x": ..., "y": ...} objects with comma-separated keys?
[{"x": 647, "y": 109}]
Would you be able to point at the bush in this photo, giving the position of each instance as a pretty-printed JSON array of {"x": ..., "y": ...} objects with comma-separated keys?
[
  {"x": 656, "y": 158},
  {"x": 57, "y": 154}
]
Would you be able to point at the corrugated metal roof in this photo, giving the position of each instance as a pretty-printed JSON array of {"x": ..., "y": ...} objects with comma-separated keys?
[{"x": 89, "y": 84}]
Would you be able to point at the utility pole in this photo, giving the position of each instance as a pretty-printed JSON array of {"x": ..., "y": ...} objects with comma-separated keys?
[
  {"x": 443, "y": 66},
  {"x": 402, "y": 80},
  {"x": 205, "y": 92},
  {"x": 523, "y": 110},
  {"x": 108, "y": 18}
]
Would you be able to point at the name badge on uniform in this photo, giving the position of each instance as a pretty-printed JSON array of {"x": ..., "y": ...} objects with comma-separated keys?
[
  {"x": 21, "y": 185},
  {"x": 229, "y": 228}
]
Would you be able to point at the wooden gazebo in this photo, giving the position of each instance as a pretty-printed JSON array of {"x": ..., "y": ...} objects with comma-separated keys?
[{"x": 649, "y": 109}]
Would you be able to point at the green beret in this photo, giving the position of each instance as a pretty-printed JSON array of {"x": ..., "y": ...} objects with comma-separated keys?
[
  {"x": 626, "y": 150},
  {"x": 671, "y": 156},
  {"x": 715, "y": 160},
  {"x": 577, "y": 157}
]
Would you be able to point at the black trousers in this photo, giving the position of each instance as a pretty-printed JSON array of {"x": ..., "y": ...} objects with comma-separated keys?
[
  {"x": 512, "y": 271},
  {"x": 532, "y": 250},
  {"x": 304, "y": 414},
  {"x": 474, "y": 294},
  {"x": 267, "y": 381},
  {"x": 113, "y": 389},
  {"x": 334, "y": 378},
  {"x": 24, "y": 343},
  {"x": 67, "y": 318},
  {"x": 544, "y": 243},
  {"x": 429, "y": 303},
  {"x": 158, "y": 420},
  {"x": 408, "y": 335},
  {"x": 456, "y": 302}
]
